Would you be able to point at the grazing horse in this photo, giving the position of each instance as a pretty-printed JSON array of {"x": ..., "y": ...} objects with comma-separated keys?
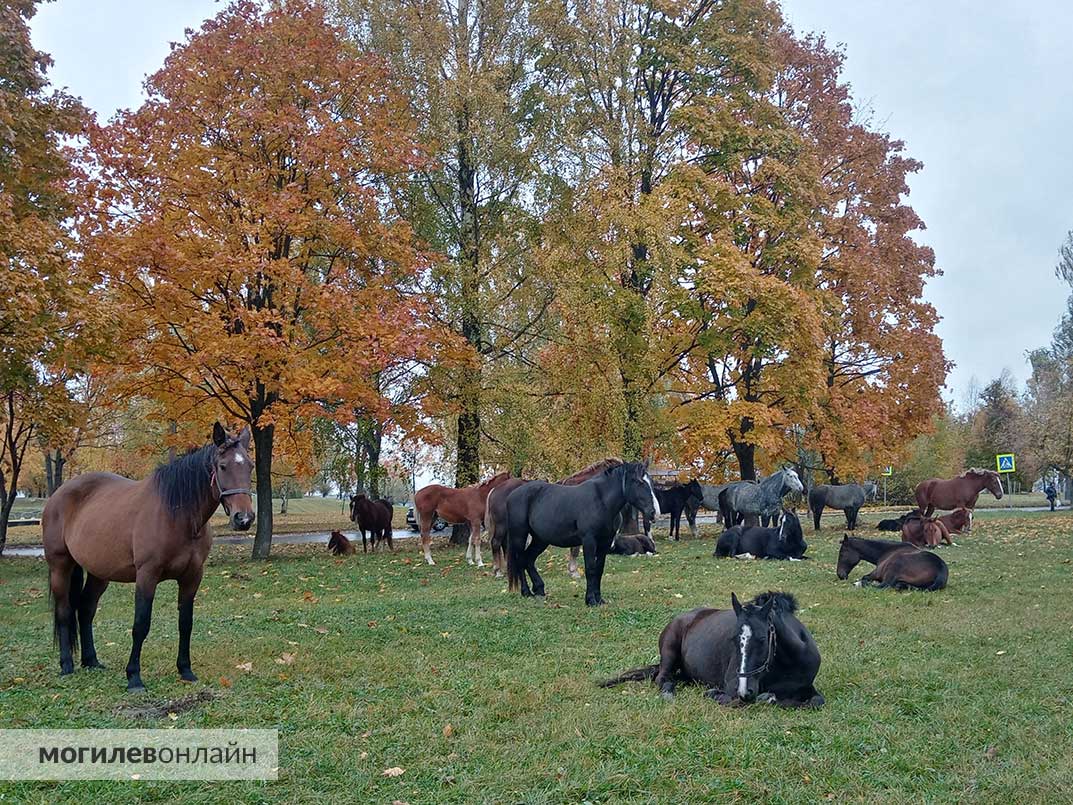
[
  {"x": 589, "y": 515},
  {"x": 956, "y": 522},
  {"x": 957, "y": 493},
  {"x": 674, "y": 500},
  {"x": 374, "y": 516},
  {"x": 743, "y": 498},
  {"x": 898, "y": 564},
  {"x": 925, "y": 532},
  {"x": 111, "y": 528},
  {"x": 847, "y": 497},
  {"x": 495, "y": 513},
  {"x": 465, "y": 505},
  {"x": 758, "y": 651},
  {"x": 755, "y": 542},
  {"x": 339, "y": 545},
  {"x": 632, "y": 545}
]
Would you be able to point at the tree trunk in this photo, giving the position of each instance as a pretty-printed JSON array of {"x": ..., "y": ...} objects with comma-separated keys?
[
  {"x": 746, "y": 454},
  {"x": 263, "y": 439},
  {"x": 7, "y": 503},
  {"x": 50, "y": 483},
  {"x": 373, "y": 445},
  {"x": 283, "y": 502},
  {"x": 57, "y": 472}
]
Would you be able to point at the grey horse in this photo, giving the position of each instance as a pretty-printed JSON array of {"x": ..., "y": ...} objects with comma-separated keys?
[
  {"x": 743, "y": 498},
  {"x": 871, "y": 490},
  {"x": 847, "y": 497}
]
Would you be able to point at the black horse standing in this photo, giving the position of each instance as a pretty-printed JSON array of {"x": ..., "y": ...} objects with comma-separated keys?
[
  {"x": 588, "y": 515},
  {"x": 674, "y": 501}
]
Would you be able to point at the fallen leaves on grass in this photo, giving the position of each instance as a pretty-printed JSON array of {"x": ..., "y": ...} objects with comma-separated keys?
[
  {"x": 285, "y": 659},
  {"x": 448, "y": 730},
  {"x": 394, "y": 771},
  {"x": 245, "y": 666}
]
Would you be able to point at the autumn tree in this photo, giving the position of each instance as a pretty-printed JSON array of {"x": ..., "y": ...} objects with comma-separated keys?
[
  {"x": 466, "y": 69},
  {"x": 47, "y": 329},
  {"x": 241, "y": 226}
]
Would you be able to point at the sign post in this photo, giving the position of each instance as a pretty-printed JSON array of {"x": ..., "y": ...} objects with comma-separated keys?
[
  {"x": 1006, "y": 464},
  {"x": 889, "y": 471}
]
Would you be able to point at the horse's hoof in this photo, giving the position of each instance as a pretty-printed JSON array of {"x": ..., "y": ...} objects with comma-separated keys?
[
  {"x": 67, "y": 669},
  {"x": 135, "y": 687},
  {"x": 93, "y": 664},
  {"x": 858, "y": 583},
  {"x": 667, "y": 695},
  {"x": 816, "y": 702},
  {"x": 480, "y": 564},
  {"x": 767, "y": 698},
  {"x": 188, "y": 676},
  {"x": 430, "y": 562}
]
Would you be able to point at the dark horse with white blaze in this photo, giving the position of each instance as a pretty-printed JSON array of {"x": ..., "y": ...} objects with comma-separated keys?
[
  {"x": 758, "y": 651},
  {"x": 847, "y": 497},
  {"x": 589, "y": 515},
  {"x": 756, "y": 542},
  {"x": 373, "y": 516},
  {"x": 764, "y": 499},
  {"x": 898, "y": 564},
  {"x": 111, "y": 528}
]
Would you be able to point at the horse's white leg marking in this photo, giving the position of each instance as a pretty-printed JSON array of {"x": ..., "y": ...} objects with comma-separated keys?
[
  {"x": 744, "y": 556},
  {"x": 743, "y": 644},
  {"x": 858, "y": 583},
  {"x": 655, "y": 502},
  {"x": 475, "y": 541}
]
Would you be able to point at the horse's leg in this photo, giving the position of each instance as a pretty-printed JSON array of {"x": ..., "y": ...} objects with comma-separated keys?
[
  {"x": 144, "y": 590},
  {"x": 535, "y": 549},
  {"x": 187, "y": 590},
  {"x": 87, "y": 609},
  {"x": 475, "y": 541},
  {"x": 571, "y": 568},
  {"x": 363, "y": 548},
  {"x": 691, "y": 518},
  {"x": 63, "y": 613},
  {"x": 594, "y": 568},
  {"x": 817, "y": 513},
  {"x": 426, "y": 535}
]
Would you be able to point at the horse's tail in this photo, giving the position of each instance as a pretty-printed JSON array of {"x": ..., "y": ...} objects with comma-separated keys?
[
  {"x": 514, "y": 547},
  {"x": 74, "y": 595},
  {"x": 940, "y": 578},
  {"x": 641, "y": 674}
]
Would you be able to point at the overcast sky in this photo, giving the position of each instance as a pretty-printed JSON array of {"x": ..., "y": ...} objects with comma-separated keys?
[{"x": 982, "y": 93}]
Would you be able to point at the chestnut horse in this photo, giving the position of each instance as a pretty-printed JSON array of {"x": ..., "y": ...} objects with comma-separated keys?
[
  {"x": 339, "y": 545},
  {"x": 957, "y": 521},
  {"x": 925, "y": 532},
  {"x": 495, "y": 513},
  {"x": 898, "y": 565},
  {"x": 957, "y": 493},
  {"x": 111, "y": 528},
  {"x": 465, "y": 505}
]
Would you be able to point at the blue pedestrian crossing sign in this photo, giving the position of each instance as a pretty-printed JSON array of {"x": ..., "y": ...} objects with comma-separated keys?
[
  {"x": 1006, "y": 462},
  {"x": 889, "y": 471}
]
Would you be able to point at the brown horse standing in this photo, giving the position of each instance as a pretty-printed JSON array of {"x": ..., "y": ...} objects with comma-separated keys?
[
  {"x": 374, "y": 516},
  {"x": 495, "y": 513},
  {"x": 114, "y": 529},
  {"x": 465, "y": 505},
  {"x": 957, "y": 493}
]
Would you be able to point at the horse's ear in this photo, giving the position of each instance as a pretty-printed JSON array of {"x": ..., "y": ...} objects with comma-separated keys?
[
  {"x": 244, "y": 438},
  {"x": 646, "y": 461},
  {"x": 734, "y": 602},
  {"x": 219, "y": 435},
  {"x": 768, "y": 606}
]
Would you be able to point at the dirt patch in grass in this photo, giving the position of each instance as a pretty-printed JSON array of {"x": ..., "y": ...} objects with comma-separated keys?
[{"x": 163, "y": 707}]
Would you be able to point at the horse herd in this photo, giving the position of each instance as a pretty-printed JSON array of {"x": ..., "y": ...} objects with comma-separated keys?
[{"x": 101, "y": 527}]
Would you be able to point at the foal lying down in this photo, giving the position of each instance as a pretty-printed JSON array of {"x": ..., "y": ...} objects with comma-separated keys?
[{"x": 758, "y": 651}]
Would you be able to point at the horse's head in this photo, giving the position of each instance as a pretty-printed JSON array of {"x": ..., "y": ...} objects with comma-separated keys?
[
  {"x": 792, "y": 534},
  {"x": 754, "y": 645},
  {"x": 994, "y": 483},
  {"x": 848, "y": 558},
  {"x": 933, "y": 533},
  {"x": 494, "y": 481},
  {"x": 354, "y": 501},
  {"x": 791, "y": 482},
  {"x": 638, "y": 490},
  {"x": 231, "y": 473},
  {"x": 694, "y": 490}
]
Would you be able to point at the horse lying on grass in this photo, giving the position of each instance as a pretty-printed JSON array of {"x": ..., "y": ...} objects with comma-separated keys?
[
  {"x": 896, "y": 523},
  {"x": 898, "y": 564},
  {"x": 339, "y": 545},
  {"x": 632, "y": 545},
  {"x": 957, "y": 521},
  {"x": 759, "y": 651},
  {"x": 925, "y": 532},
  {"x": 753, "y": 542}
]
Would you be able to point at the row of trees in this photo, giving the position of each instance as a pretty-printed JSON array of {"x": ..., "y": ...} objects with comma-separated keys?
[{"x": 531, "y": 233}]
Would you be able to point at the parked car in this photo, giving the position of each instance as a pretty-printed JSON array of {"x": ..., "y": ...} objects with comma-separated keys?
[{"x": 438, "y": 524}]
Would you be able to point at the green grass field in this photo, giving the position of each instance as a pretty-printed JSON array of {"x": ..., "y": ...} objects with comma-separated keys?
[{"x": 964, "y": 695}]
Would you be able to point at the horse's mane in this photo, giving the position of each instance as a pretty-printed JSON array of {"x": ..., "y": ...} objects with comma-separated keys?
[
  {"x": 483, "y": 484},
  {"x": 183, "y": 483},
  {"x": 591, "y": 471},
  {"x": 784, "y": 601},
  {"x": 976, "y": 471}
]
